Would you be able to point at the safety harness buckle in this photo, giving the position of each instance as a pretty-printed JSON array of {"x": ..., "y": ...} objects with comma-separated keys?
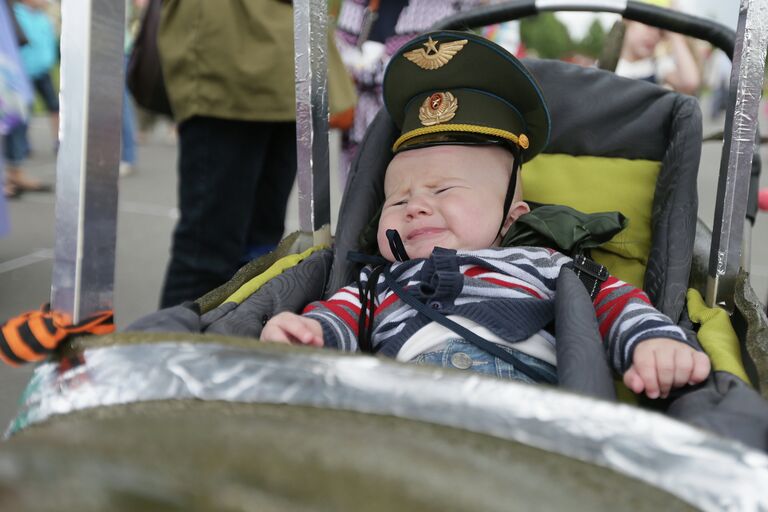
[{"x": 591, "y": 273}]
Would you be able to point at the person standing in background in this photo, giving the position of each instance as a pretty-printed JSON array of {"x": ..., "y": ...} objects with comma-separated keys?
[
  {"x": 15, "y": 143},
  {"x": 657, "y": 56},
  {"x": 718, "y": 78},
  {"x": 368, "y": 33},
  {"x": 40, "y": 54},
  {"x": 229, "y": 72},
  {"x": 15, "y": 96},
  {"x": 133, "y": 9}
]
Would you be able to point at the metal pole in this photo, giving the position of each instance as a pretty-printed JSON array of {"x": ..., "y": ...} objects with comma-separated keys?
[
  {"x": 92, "y": 81},
  {"x": 311, "y": 43},
  {"x": 738, "y": 148}
]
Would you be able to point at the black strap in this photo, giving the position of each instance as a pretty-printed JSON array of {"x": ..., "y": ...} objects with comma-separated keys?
[
  {"x": 396, "y": 245},
  {"x": 465, "y": 333},
  {"x": 591, "y": 273},
  {"x": 511, "y": 186},
  {"x": 367, "y": 310}
]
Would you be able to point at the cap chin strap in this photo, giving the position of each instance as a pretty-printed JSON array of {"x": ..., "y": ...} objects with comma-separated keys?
[
  {"x": 396, "y": 245},
  {"x": 516, "y": 166}
]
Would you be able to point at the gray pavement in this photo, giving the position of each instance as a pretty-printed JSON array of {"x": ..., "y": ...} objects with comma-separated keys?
[{"x": 147, "y": 212}]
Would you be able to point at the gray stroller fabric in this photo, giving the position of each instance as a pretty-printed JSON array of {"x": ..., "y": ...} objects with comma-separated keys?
[
  {"x": 286, "y": 292},
  {"x": 289, "y": 291},
  {"x": 582, "y": 365},
  {"x": 725, "y": 405}
]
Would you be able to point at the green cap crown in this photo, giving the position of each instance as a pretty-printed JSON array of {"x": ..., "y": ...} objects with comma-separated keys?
[{"x": 451, "y": 87}]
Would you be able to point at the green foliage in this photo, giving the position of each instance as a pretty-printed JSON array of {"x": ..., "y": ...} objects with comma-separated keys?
[
  {"x": 592, "y": 44},
  {"x": 546, "y": 36}
]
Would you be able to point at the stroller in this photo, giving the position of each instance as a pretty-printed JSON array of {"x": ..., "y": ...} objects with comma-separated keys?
[{"x": 185, "y": 409}]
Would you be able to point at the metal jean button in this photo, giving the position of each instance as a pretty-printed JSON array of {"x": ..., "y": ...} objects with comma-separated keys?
[{"x": 461, "y": 361}]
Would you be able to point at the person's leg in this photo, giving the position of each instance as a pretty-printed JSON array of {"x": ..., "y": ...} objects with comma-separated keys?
[
  {"x": 219, "y": 166},
  {"x": 15, "y": 152},
  {"x": 10, "y": 189},
  {"x": 44, "y": 86},
  {"x": 274, "y": 187},
  {"x": 128, "y": 152},
  {"x": 5, "y": 223},
  {"x": 146, "y": 122}
]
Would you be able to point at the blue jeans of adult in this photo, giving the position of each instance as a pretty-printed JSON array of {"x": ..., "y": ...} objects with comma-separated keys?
[
  {"x": 16, "y": 145},
  {"x": 128, "y": 151},
  {"x": 5, "y": 224},
  {"x": 234, "y": 181}
]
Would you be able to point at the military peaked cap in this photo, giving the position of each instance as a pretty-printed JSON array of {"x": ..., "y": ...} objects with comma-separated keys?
[{"x": 450, "y": 87}]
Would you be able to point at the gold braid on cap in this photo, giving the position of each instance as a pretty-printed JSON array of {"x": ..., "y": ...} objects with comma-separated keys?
[{"x": 521, "y": 140}]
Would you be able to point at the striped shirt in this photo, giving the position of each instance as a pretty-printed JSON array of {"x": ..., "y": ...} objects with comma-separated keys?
[{"x": 508, "y": 290}]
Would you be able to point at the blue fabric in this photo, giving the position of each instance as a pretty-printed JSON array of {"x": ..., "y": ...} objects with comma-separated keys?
[
  {"x": 5, "y": 225},
  {"x": 39, "y": 55},
  {"x": 462, "y": 355},
  {"x": 15, "y": 89},
  {"x": 16, "y": 146},
  {"x": 44, "y": 87},
  {"x": 128, "y": 154}
]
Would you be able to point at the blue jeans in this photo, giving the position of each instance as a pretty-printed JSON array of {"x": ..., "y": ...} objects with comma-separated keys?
[
  {"x": 463, "y": 355},
  {"x": 44, "y": 87},
  {"x": 16, "y": 145},
  {"x": 5, "y": 225},
  {"x": 128, "y": 153}
]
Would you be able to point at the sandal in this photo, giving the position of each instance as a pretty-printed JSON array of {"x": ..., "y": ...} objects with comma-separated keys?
[
  {"x": 11, "y": 191},
  {"x": 30, "y": 186},
  {"x": 36, "y": 187}
]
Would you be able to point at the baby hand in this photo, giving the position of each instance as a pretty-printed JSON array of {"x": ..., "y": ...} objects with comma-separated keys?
[
  {"x": 660, "y": 364},
  {"x": 291, "y": 328}
]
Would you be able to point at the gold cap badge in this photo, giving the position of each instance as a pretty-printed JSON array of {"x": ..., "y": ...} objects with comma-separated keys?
[
  {"x": 435, "y": 57},
  {"x": 438, "y": 108}
]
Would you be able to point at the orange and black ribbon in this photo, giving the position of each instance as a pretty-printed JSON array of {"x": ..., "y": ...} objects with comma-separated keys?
[{"x": 34, "y": 335}]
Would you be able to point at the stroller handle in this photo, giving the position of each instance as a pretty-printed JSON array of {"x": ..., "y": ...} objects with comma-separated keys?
[{"x": 713, "y": 32}]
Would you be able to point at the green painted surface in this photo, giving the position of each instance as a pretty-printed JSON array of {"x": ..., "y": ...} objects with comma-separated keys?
[{"x": 192, "y": 455}]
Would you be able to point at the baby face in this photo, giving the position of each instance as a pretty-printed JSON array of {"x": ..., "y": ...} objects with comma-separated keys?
[{"x": 445, "y": 196}]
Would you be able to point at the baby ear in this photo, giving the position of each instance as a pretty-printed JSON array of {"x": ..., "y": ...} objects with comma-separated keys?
[{"x": 515, "y": 211}]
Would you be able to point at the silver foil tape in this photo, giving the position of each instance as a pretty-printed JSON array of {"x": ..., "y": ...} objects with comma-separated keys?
[
  {"x": 312, "y": 171},
  {"x": 707, "y": 471}
]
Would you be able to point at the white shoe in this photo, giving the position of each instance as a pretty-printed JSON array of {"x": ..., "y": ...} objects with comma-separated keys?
[{"x": 125, "y": 169}]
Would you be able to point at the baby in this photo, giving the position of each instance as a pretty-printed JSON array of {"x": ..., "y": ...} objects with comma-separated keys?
[{"x": 451, "y": 193}]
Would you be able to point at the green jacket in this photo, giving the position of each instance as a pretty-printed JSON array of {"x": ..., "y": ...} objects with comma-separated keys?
[{"x": 231, "y": 59}]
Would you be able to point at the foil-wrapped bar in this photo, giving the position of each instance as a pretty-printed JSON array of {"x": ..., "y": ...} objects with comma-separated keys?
[
  {"x": 92, "y": 81},
  {"x": 738, "y": 149},
  {"x": 311, "y": 42},
  {"x": 707, "y": 471}
]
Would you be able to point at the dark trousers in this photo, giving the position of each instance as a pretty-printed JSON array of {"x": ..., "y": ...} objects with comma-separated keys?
[
  {"x": 234, "y": 181},
  {"x": 44, "y": 87}
]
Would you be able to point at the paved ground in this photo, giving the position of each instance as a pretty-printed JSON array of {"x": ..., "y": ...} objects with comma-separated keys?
[{"x": 145, "y": 220}]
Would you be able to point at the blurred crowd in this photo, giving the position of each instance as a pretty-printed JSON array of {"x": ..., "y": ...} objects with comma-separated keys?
[
  {"x": 224, "y": 71},
  {"x": 29, "y": 60}
]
